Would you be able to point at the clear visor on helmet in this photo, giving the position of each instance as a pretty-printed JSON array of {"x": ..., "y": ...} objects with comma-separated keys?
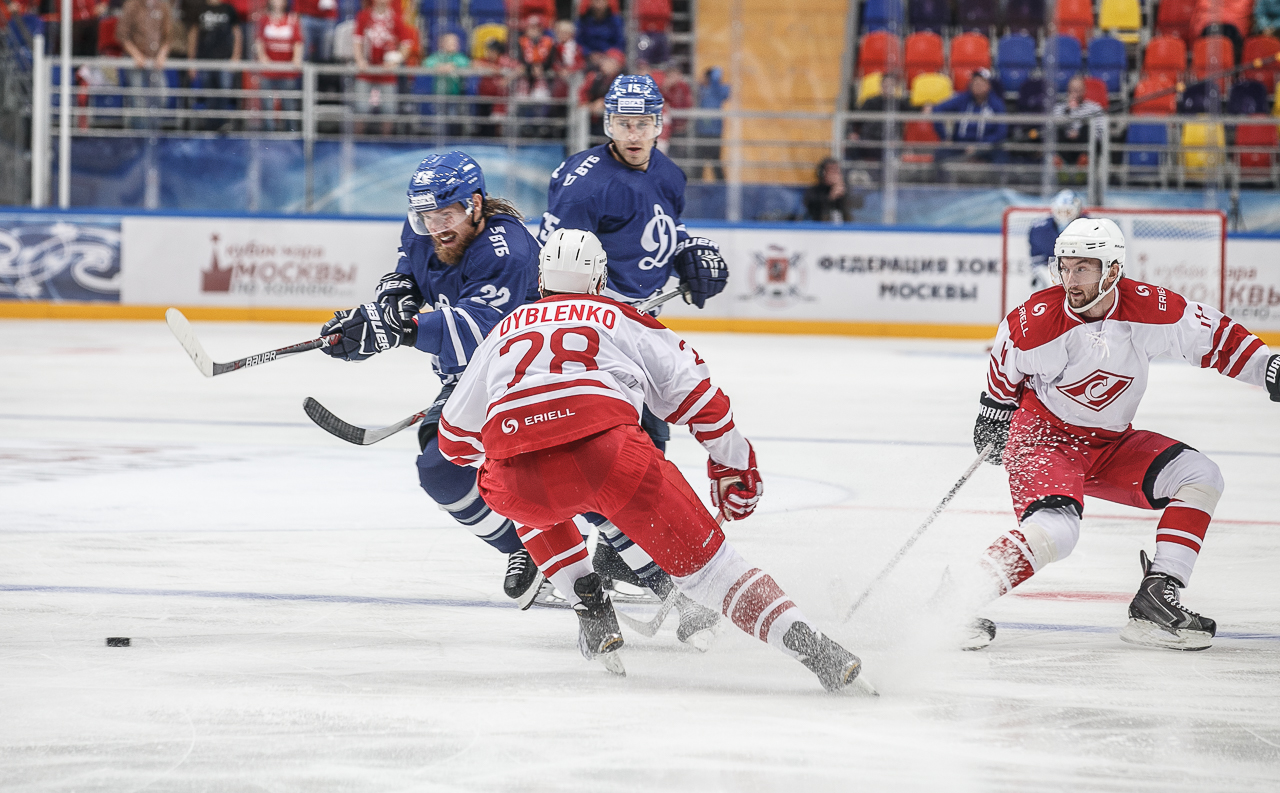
[
  {"x": 434, "y": 222},
  {"x": 1079, "y": 269},
  {"x": 632, "y": 128}
]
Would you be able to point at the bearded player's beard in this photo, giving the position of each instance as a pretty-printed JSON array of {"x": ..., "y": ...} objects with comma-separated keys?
[{"x": 452, "y": 244}]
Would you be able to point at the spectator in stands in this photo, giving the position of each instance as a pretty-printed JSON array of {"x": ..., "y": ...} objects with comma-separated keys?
[
  {"x": 983, "y": 136},
  {"x": 381, "y": 39},
  {"x": 143, "y": 31},
  {"x": 280, "y": 41},
  {"x": 446, "y": 60},
  {"x": 537, "y": 50},
  {"x": 216, "y": 36},
  {"x": 678, "y": 95},
  {"x": 1072, "y": 115},
  {"x": 84, "y": 26},
  {"x": 873, "y": 131},
  {"x": 567, "y": 56},
  {"x": 500, "y": 68},
  {"x": 599, "y": 31},
  {"x": 712, "y": 94},
  {"x": 1228, "y": 18},
  {"x": 1266, "y": 17},
  {"x": 829, "y": 201},
  {"x": 318, "y": 19},
  {"x": 596, "y": 84}
]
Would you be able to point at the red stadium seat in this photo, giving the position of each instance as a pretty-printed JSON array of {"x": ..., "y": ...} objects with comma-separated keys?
[
  {"x": 1165, "y": 55},
  {"x": 1259, "y": 135},
  {"x": 1075, "y": 18},
  {"x": 1173, "y": 18},
  {"x": 1096, "y": 90},
  {"x": 108, "y": 45},
  {"x": 924, "y": 54},
  {"x": 969, "y": 52},
  {"x": 1264, "y": 49},
  {"x": 1150, "y": 84},
  {"x": 585, "y": 5},
  {"x": 879, "y": 51},
  {"x": 543, "y": 8},
  {"x": 653, "y": 16},
  {"x": 918, "y": 132},
  {"x": 1212, "y": 54}
]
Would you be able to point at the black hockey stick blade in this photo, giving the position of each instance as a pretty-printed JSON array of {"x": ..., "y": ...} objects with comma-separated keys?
[
  {"x": 897, "y": 557},
  {"x": 361, "y": 436},
  {"x": 187, "y": 338}
]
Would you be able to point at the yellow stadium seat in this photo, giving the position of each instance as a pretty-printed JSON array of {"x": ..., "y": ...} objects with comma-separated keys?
[
  {"x": 1195, "y": 133},
  {"x": 930, "y": 88},
  {"x": 1275, "y": 111},
  {"x": 868, "y": 86},
  {"x": 1122, "y": 19},
  {"x": 482, "y": 35}
]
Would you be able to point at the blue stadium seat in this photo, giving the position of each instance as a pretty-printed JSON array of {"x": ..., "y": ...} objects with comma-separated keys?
[
  {"x": 1107, "y": 61},
  {"x": 1149, "y": 135},
  {"x": 1195, "y": 99},
  {"x": 1070, "y": 60},
  {"x": 882, "y": 15},
  {"x": 1024, "y": 15},
  {"x": 930, "y": 15},
  {"x": 486, "y": 11},
  {"x": 977, "y": 14},
  {"x": 1015, "y": 60},
  {"x": 431, "y": 9},
  {"x": 1248, "y": 97}
]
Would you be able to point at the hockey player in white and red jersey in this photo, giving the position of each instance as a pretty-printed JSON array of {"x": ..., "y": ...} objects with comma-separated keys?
[
  {"x": 1066, "y": 374},
  {"x": 549, "y": 409}
]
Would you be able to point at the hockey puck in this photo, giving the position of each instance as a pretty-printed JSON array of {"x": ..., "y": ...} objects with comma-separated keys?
[{"x": 117, "y": 641}]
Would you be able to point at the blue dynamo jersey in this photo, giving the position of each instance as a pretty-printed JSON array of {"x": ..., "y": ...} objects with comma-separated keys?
[
  {"x": 498, "y": 272},
  {"x": 636, "y": 215}
]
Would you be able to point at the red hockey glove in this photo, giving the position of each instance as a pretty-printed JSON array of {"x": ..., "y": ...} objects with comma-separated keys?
[{"x": 735, "y": 492}]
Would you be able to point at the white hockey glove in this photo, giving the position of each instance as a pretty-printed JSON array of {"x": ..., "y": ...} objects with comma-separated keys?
[{"x": 735, "y": 492}]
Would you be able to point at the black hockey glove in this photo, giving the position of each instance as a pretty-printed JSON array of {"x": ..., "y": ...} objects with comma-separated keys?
[
  {"x": 365, "y": 330},
  {"x": 992, "y": 427},
  {"x": 701, "y": 268},
  {"x": 398, "y": 295},
  {"x": 1273, "y": 377}
]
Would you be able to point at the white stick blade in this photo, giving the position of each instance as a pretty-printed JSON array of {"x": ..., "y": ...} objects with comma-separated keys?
[{"x": 187, "y": 338}]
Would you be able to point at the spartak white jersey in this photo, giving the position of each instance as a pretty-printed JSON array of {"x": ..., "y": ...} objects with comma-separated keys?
[
  {"x": 570, "y": 366},
  {"x": 1093, "y": 374}
]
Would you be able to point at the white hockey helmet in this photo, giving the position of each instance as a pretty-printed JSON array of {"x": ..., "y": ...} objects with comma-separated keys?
[
  {"x": 572, "y": 260},
  {"x": 1090, "y": 238},
  {"x": 1065, "y": 208}
]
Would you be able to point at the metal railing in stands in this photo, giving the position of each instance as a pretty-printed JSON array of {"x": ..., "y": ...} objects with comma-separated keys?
[{"x": 326, "y": 109}]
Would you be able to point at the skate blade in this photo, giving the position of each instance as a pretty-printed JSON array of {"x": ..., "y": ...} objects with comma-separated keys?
[
  {"x": 860, "y": 687},
  {"x": 531, "y": 594},
  {"x": 703, "y": 639},
  {"x": 1148, "y": 634},
  {"x": 548, "y": 597},
  {"x": 613, "y": 662}
]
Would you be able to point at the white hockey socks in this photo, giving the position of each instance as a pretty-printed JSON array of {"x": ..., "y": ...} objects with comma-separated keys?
[
  {"x": 746, "y": 595},
  {"x": 1193, "y": 484},
  {"x": 565, "y": 554}
]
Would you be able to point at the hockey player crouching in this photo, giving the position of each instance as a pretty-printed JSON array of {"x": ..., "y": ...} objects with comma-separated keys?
[
  {"x": 1066, "y": 374},
  {"x": 549, "y": 409},
  {"x": 465, "y": 262}
]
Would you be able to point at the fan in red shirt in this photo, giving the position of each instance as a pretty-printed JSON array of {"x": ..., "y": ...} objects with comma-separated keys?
[
  {"x": 381, "y": 39},
  {"x": 280, "y": 41}
]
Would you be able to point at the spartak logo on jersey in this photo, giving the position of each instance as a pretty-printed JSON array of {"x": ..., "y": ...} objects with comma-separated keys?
[
  {"x": 778, "y": 277},
  {"x": 1097, "y": 390}
]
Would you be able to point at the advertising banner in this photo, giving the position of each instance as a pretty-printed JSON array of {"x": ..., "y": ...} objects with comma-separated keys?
[
  {"x": 1253, "y": 283},
  {"x": 243, "y": 262},
  {"x": 856, "y": 276},
  {"x": 59, "y": 258}
]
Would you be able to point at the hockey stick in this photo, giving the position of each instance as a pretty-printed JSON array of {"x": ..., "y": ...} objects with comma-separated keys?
[
  {"x": 187, "y": 338},
  {"x": 897, "y": 557},
  {"x": 351, "y": 433},
  {"x": 650, "y": 628}
]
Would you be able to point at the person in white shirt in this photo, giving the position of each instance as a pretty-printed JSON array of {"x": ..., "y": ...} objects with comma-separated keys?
[
  {"x": 1066, "y": 373},
  {"x": 549, "y": 410}
]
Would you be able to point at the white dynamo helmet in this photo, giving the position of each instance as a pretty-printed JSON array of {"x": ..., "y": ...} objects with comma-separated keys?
[
  {"x": 1090, "y": 238},
  {"x": 572, "y": 260}
]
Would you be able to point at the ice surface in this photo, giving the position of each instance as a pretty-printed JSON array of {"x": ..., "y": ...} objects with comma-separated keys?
[{"x": 304, "y": 619}]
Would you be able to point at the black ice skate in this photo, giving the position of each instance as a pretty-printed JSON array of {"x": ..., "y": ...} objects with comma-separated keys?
[
  {"x": 599, "y": 637},
  {"x": 978, "y": 634},
  {"x": 522, "y": 576},
  {"x": 837, "y": 668},
  {"x": 699, "y": 625},
  {"x": 1157, "y": 619}
]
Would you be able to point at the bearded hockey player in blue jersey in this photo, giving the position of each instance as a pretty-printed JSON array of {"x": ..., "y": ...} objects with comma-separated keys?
[
  {"x": 1064, "y": 209},
  {"x": 466, "y": 261},
  {"x": 631, "y": 196}
]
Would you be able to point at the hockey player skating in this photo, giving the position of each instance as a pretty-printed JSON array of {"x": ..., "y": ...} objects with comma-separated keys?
[
  {"x": 1067, "y": 372},
  {"x": 550, "y": 409},
  {"x": 631, "y": 196},
  {"x": 466, "y": 261},
  {"x": 1064, "y": 208}
]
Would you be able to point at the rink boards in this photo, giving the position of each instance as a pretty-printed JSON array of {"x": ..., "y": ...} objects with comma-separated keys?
[{"x": 788, "y": 278}]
